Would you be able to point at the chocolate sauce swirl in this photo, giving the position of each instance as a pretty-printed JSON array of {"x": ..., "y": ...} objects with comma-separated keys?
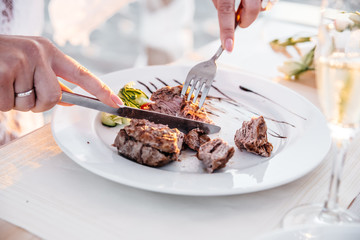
[
  {"x": 258, "y": 94},
  {"x": 146, "y": 86},
  {"x": 226, "y": 98}
]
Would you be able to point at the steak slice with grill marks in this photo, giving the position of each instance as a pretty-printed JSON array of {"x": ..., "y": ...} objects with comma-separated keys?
[
  {"x": 148, "y": 143},
  {"x": 215, "y": 154},
  {"x": 252, "y": 137},
  {"x": 168, "y": 100},
  {"x": 190, "y": 110}
]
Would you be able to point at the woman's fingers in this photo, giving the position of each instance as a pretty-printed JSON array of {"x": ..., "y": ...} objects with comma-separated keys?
[
  {"x": 28, "y": 63},
  {"x": 25, "y": 101},
  {"x": 23, "y": 84},
  {"x": 6, "y": 87},
  {"x": 250, "y": 11},
  {"x": 15, "y": 78},
  {"x": 226, "y": 14},
  {"x": 70, "y": 70},
  {"x": 48, "y": 91},
  {"x": 66, "y": 89}
]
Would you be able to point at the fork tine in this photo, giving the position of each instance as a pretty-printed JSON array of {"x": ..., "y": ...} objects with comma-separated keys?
[
  {"x": 194, "y": 86},
  {"x": 201, "y": 84},
  {"x": 186, "y": 85},
  {"x": 204, "y": 95}
]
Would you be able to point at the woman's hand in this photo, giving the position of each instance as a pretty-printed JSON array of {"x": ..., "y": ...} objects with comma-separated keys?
[
  {"x": 28, "y": 63},
  {"x": 226, "y": 13}
]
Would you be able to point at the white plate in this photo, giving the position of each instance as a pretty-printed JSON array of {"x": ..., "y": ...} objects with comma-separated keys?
[
  {"x": 330, "y": 232},
  {"x": 84, "y": 139}
]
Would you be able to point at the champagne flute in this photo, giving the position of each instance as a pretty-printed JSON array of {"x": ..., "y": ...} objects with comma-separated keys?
[{"x": 338, "y": 82}]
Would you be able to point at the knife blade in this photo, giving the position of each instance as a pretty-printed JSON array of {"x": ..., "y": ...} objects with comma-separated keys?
[{"x": 183, "y": 124}]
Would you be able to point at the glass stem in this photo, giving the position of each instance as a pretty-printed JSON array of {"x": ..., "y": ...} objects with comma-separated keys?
[{"x": 329, "y": 212}]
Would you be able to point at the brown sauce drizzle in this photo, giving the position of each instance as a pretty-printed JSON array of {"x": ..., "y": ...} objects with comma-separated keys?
[
  {"x": 236, "y": 104},
  {"x": 233, "y": 102},
  {"x": 279, "y": 121},
  {"x": 153, "y": 85},
  {"x": 211, "y": 113},
  {"x": 219, "y": 91},
  {"x": 165, "y": 84},
  {"x": 251, "y": 91},
  {"x": 176, "y": 81},
  {"x": 151, "y": 92},
  {"x": 275, "y": 134}
]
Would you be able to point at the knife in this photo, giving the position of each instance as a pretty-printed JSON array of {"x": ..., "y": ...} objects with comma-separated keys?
[{"x": 183, "y": 124}]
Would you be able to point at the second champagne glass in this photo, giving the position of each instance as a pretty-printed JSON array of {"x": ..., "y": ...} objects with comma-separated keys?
[{"x": 338, "y": 84}]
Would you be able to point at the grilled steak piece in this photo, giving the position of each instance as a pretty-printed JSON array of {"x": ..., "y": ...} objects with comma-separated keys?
[
  {"x": 148, "y": 143},
  {"x": 168, "y": 100},
  {"x": 195, "y": 138},
  {"x": 190, "y": 110},
  {"x": 252, "y": 137},
  {"x": 215, "y": 154}
]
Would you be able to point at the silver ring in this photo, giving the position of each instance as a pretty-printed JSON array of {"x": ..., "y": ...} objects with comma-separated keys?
[{"x": 24, "y": 94}]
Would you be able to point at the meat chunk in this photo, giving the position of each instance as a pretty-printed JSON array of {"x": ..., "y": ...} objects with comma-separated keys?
[
  {"x": 215, "y": 154},
  {"x": 252, "y": 137},
  {"x": 190, "y": 110},
  {"x": 158, "y": 136},
  {"x": 195, "y": 138},
  {"x": 148, "y": 143},
  {"x": 168, "y": 100}
]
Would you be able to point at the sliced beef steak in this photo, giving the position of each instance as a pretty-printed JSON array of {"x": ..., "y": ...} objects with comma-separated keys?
[
  {"x": 148, "y": 143},
  {"x": 190, "y": 110},
  {"x": 252, "y": 137},
  {"x": 215, "y": 154},
  {"x": 158, "y": 136},
  {"x": 195, "y": 138},
  {"x": 168, "y": 100}
]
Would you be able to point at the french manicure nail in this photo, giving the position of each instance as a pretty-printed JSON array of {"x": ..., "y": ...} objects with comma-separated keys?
[{"x": 116, "y": 100}]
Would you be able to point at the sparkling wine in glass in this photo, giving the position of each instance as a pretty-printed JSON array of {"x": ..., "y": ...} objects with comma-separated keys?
[{"x": 338, "y": 83}]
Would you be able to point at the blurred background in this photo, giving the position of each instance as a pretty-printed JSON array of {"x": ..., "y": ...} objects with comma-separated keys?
[
  {"x": 110, "y": 35},
  {"x": 138, "y": 33}
]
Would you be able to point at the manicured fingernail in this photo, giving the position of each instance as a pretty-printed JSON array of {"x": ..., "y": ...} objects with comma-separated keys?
[
  {"x": 229, "y": 44},
  {"x": 116, "y": 100}
]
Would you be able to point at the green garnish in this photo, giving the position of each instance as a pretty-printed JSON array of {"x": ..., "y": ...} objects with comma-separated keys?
[
  {"x": 110, "y": 120},
  {"x": 132, "y": 97},
  {"x": 280, "y": 46},
  {"x": 292, "y": 68}
]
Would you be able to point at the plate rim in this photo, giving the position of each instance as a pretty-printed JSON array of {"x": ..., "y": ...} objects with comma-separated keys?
[{"x": 175, "y": 191}]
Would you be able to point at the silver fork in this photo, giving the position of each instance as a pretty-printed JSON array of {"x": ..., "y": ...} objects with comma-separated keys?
[{"x": 202, "y": 75}]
